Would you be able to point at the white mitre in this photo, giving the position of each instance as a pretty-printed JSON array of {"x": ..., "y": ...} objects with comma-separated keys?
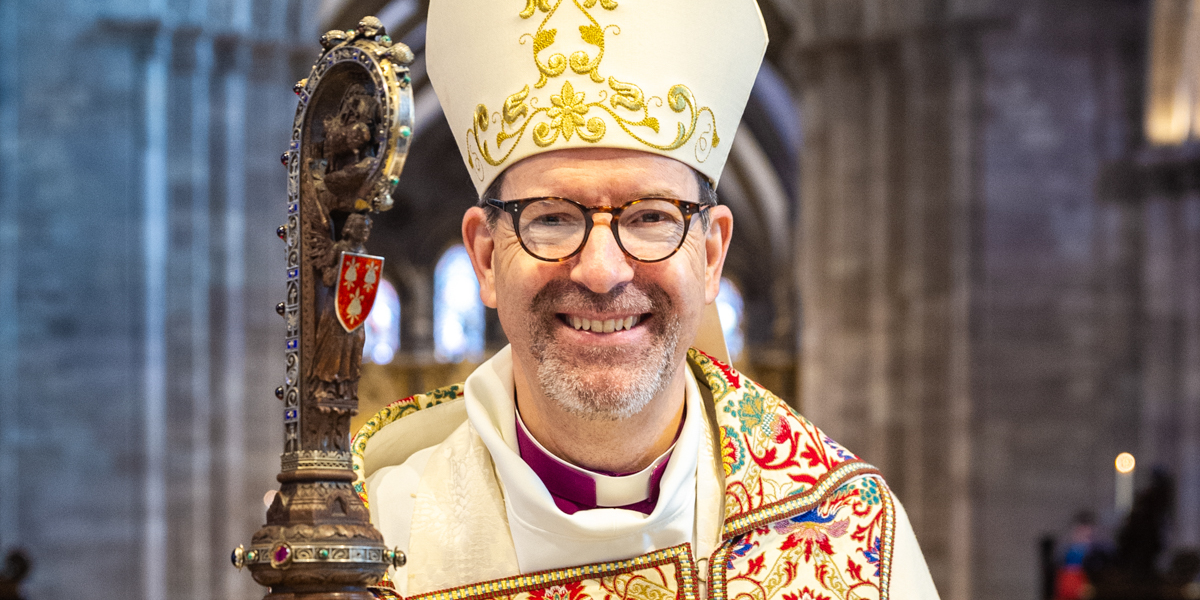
[{"x": 519, "y": 77}]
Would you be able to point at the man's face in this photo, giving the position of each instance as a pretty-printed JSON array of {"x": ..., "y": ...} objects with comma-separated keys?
[{"x": 544, "y": 307}]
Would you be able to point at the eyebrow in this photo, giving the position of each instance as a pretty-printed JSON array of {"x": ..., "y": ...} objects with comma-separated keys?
[
  {"x": 617, "y": 201},
  {"x": 658, "y": 193}
]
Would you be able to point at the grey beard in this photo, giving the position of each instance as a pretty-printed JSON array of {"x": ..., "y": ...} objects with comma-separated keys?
[{"x": 604, "y": 384}]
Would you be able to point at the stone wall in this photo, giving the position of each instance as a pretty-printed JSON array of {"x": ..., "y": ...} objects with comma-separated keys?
[
  {"x": 139, "y": 193},
  {"x": 1053, "y": 292}
]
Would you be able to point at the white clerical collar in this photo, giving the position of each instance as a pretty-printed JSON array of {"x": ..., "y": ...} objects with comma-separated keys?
[
  {"x": 544, "y": 536},
  {"x": 582, "y": 489}
]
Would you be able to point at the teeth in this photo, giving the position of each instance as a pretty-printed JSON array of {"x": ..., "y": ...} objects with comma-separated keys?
[{"x": 605, "y": 326}]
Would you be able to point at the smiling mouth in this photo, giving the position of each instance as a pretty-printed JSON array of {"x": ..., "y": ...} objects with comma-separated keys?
[{"x": 602, "y": 325}]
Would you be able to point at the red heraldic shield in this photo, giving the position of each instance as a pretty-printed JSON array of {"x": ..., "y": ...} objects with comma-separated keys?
[{"x": 358, "y": 281}]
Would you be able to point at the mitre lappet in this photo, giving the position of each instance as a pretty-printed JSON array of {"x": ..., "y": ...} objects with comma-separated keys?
[{"x": 670, "y": 77}]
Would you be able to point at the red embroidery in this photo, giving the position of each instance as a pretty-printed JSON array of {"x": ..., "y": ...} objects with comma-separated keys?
[
  {"x": 756, "y": 564},
  {"x": 731, "y": 375},
  {"x": 568, "y": 591},
  {"x": 805, "y": 594}
]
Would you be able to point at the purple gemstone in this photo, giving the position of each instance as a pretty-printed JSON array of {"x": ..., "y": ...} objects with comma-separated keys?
[{"x": 282, "y": 553}]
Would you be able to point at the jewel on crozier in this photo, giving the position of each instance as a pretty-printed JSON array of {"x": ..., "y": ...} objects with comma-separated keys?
[{"x": 281, "y": 556}]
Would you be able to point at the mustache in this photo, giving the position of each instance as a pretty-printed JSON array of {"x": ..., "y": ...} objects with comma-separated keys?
[{"x": 563, "y": 295}]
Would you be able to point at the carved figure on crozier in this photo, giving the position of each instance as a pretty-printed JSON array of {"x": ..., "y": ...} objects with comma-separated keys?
[
  {"x": 348, "y": 152},
  {"x": 336, "y": 360}
]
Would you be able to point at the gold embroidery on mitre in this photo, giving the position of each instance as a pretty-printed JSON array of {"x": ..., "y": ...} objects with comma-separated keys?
[
  {"x": 580, "y": 61},
  {"x": 515, "y": 107},
  {"x": 571, "y": 112}
]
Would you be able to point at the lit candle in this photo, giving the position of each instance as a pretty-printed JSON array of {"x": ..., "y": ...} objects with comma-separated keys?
[{"x": 1125, "y": 464}]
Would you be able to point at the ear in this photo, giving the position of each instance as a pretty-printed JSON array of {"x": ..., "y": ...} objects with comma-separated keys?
[
  {"x": 716, "y": 246},
  {"x": 479, "y": 243}
]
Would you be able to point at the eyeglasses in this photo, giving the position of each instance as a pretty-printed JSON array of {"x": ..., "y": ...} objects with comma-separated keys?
[{"x": 555, "y": 229}]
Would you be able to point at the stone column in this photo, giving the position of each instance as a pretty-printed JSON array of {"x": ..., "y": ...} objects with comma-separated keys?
[{"x": 888, "y": 100}]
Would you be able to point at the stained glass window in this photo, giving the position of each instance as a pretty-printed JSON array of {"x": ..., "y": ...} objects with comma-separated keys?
[
  {"x": 383, "y": 326},
  {"x": 457, "y": 310},
  {"x": 730, "y": 308}
]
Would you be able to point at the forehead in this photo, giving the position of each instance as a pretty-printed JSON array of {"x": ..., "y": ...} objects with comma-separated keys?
[{"x": 600, "y": 175}]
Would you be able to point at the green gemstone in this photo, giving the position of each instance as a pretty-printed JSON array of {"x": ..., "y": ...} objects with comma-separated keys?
[
  {"x": 323, "y": 553},
  {"x": 387, "y": 39},
  {"x": 250, "y": 556},
  {"x": 349, "y": 33},
  {"x": 394, "y": 181},
  {"x": 405, "y": 131}
]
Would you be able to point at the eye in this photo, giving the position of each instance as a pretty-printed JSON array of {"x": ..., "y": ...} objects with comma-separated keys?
[
  {"x": 650, "y": 217},
  {"x": 553, "y": 219},
  {"x": 651, "y": 213},
  {"x": 550, "y": 215}
]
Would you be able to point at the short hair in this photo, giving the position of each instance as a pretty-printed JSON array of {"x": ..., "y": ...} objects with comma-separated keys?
[{"x": 708, "y": 196}]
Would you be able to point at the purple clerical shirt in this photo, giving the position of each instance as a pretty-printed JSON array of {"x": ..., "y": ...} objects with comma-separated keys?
[{"x": 574, "y": 491}]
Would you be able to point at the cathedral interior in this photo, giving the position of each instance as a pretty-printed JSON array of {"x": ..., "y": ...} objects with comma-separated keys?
[{"x": 967, "y": 247}]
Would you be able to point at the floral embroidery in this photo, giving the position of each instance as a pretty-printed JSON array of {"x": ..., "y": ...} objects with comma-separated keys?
[
  {"x": 870, "y": 491},
  {"x": 740, "y": 550},
  {"x": 806, "y": 519},
  {"x": 732, "y": 457},
  {"x": 730, "y": 374},
  {"x": 569, "y": 591},
  {"x": 806, "y": 594},
  {"x": 838, "y": 450},
  {"x": 872, "y": 554},
  {"x": 811, "y": 529},
  {"x": 779, "y": 431},
  {"x": 752, "y": 412},
  {"x": 566, "y": 114}
]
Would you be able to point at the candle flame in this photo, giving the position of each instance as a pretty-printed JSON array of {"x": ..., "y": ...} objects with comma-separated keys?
[{"x": 1125, "y": 462}]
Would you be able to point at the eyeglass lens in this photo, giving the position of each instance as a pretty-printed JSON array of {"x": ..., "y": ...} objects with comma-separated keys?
[{"x": 648, "y": 229}]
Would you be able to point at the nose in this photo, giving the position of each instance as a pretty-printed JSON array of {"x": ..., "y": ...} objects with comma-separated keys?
[{"x": 602, "y": 265}]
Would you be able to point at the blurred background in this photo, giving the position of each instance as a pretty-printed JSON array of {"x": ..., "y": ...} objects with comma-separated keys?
[{"x": 967, "y": 246}]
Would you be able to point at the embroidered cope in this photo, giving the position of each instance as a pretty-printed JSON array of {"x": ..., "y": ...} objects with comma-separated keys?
[{"x": 800, "y": 517}]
